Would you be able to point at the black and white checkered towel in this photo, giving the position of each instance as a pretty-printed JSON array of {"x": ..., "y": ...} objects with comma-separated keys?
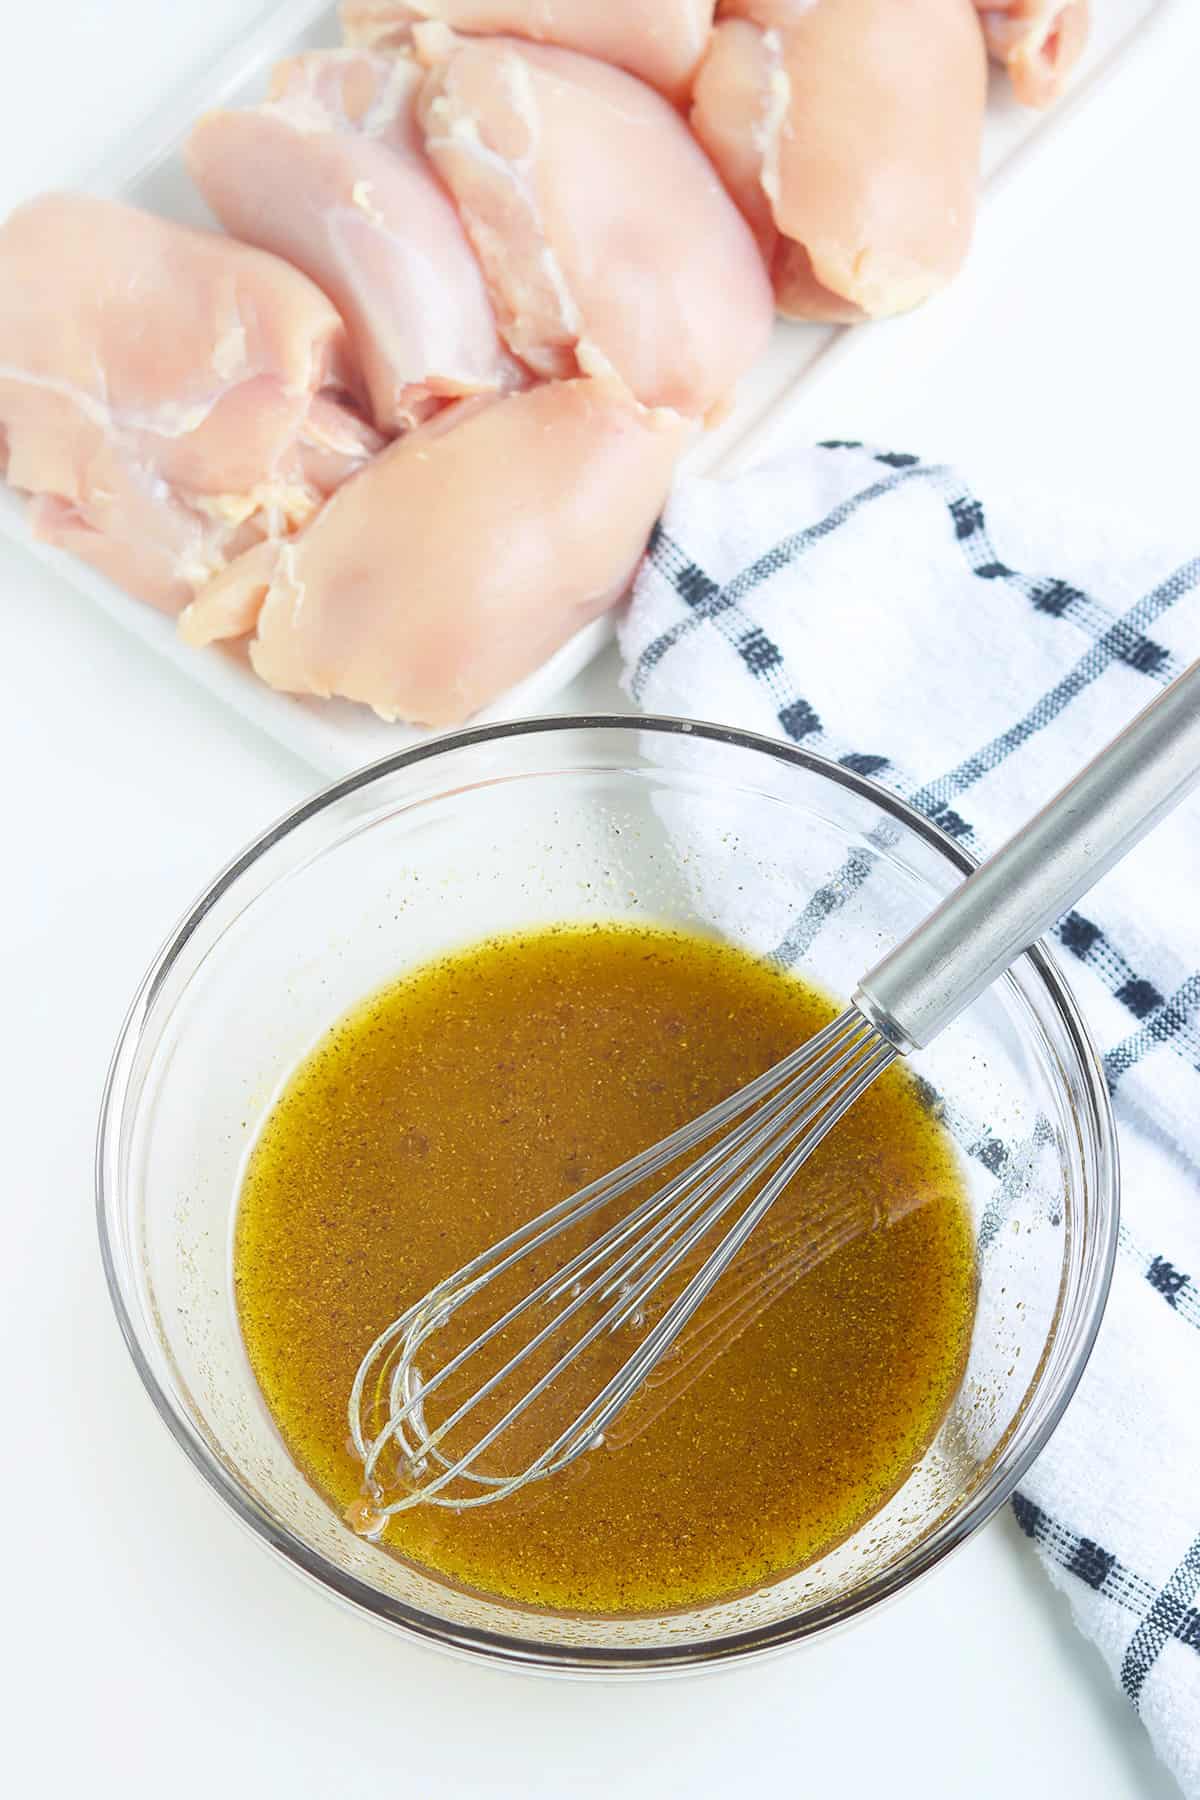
[{"x": 870, "y": 606}]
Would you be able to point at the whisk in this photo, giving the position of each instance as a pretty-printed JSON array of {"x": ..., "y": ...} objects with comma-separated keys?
[{"x": 581, "y": 1292}]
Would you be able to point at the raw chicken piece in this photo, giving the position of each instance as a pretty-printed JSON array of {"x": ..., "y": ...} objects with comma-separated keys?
[
  {"x": 161, "y": 392},
  {"x": 848, "y": 131},
  {"x": 660, "y": 40},
  {"x": 609, "y": 245},
  {"x": 1038, "y": 41},
  {"x": 460, "y": 559},
  {"x": 331, "y": 174}
]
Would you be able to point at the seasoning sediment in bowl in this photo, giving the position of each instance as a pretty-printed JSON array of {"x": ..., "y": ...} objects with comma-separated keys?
[{"x": 456, "y": 1105}]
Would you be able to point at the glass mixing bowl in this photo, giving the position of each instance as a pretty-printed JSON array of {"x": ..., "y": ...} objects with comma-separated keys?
[{"x": 519, "y": 825}]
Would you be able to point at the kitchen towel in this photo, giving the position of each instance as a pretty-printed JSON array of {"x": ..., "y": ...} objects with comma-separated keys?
[{"x": 972, "y": 654}]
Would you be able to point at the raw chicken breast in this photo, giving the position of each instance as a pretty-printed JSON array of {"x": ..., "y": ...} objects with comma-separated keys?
[
  {"x": 331, "y": 174},
  {"x": 609, "y": 245},
  {"x": 1038, "y": 41},
  {"x": 460, "y": 559},
  {"x": 161, "y": 392},
  {"x": 660, "y": 40},
  {"x": 849, "y": 132}
]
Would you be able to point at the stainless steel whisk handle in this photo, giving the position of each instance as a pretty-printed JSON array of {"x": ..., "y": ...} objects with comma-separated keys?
[{"x": 1011, "y": 899}]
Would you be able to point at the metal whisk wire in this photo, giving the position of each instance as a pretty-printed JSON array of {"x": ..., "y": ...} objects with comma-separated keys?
[
  {"x": 791, "y": 1107},
  {"x": 761, "y": 1137}
]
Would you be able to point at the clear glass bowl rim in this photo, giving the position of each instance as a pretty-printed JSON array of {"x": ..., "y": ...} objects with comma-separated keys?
[{"x": 617, "y": 1660}]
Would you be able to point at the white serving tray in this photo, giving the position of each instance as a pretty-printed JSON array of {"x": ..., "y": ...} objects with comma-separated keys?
[{"x": 1031, "y": 162}]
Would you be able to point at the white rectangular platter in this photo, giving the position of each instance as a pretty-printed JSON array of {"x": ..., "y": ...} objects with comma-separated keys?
[{"x": 1031, "y": 162}]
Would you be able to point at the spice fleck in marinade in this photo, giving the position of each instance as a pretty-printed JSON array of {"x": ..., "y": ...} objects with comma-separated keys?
[{"x": 474, "y": 1093}]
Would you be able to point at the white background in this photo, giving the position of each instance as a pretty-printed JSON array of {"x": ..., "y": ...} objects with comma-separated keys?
[{"x": 150, "y": 1646}]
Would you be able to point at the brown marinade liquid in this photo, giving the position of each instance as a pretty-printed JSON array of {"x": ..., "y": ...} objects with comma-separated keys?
[{"x": 476, "y": 1092}]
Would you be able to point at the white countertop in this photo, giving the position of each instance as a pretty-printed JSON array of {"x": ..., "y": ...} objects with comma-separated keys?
[{"x": 151, "y": 1646}]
